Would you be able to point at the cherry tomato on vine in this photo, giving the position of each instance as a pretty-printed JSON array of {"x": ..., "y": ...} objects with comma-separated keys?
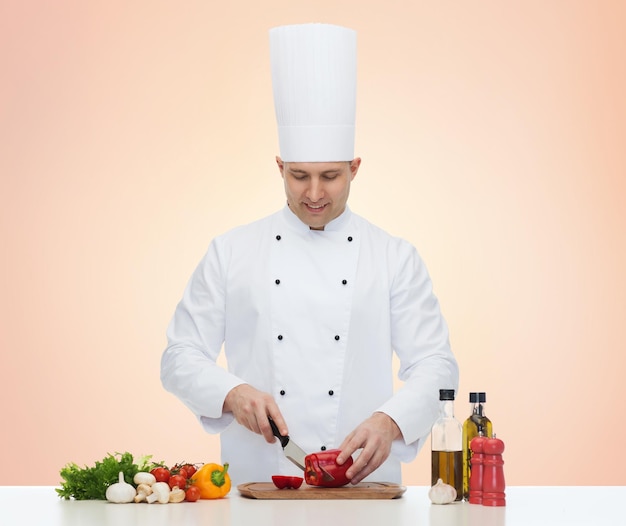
[
  {"x": 186, "y": 470},
  {"x": 161, "y": 474},
  {"x": 190, "y": 469},
  {"x": 177, "y": 469},
  {"x": 178, "y": 480},
  {"x": 192, "y": 494}
]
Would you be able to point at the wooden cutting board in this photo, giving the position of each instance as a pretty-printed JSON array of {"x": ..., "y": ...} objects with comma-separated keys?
[{"x": 363, "y": 490}]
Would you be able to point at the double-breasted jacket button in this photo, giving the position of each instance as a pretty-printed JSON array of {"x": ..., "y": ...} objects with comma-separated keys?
[
  {"x": 323, "y": 448},
  {"x": 344, "y": 281},
  {"x": 331, "y": 392},
  {"x": 350, "y": 238},
  {"x": 282, "y": 392},
  {"x": 280, "y": 336},
  {"x": 277, "y": 282},
  {"x": 337, "y": 337},
  {"x": 278, "y": 238}
]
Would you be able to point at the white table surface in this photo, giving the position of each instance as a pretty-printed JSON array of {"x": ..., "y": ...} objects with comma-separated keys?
[{"x": 526, "y": 505}]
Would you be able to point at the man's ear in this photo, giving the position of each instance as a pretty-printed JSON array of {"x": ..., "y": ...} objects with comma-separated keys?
[
  {"x": 354, "y": 167},
  {"x": 281, "y": 166}
]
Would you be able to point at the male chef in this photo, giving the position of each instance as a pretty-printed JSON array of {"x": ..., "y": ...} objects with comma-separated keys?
[{"x": 311, "y": 302}]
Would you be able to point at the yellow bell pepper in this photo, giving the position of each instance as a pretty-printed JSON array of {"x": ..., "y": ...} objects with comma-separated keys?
[{"x": 213, "y": 481}]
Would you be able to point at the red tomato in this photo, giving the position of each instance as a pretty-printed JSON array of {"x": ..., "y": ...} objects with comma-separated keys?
[
  {"x": 161, "y": 474},
  {"x": 186, "y": 470},
  {"x": 178, "y": 480},
  {"x": 177, "y": 469},
  {"x": 284, "y": 482},
  {"x": 192, "y": 494},
  {"x": 190, "y": 469}
]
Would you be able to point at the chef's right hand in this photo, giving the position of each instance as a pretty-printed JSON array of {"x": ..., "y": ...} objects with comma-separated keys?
[{"x": 251, "y": 407}]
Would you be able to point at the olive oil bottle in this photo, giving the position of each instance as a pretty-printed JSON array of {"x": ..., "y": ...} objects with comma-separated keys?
[
  {"x": 477, "y": 424},
  {"x": 446, "y": 441}
]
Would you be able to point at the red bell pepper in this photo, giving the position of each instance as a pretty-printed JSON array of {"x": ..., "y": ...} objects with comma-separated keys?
[
  {"x": 321, "y": 469},
  {"x": 286, "y": 482}
]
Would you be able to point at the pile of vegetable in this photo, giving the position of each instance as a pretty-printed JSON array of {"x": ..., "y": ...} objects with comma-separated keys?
[
  {"x": 119, "y": 478},
  {"x": 89, "y": 483}
]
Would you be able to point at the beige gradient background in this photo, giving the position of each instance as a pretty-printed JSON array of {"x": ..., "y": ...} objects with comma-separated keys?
[{"x": 492, "y": 137}]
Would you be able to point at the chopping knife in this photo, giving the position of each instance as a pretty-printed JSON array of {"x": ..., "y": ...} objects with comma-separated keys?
[{"x": 292, "y": 451}]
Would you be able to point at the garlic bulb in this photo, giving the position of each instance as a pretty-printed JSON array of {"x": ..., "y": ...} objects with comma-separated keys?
[
  {"x": 442, "y": 493},
  {"x": 121, "y": 492}
]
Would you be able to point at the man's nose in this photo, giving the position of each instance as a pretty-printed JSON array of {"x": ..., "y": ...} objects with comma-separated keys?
[{"x": 315, "y": 191}]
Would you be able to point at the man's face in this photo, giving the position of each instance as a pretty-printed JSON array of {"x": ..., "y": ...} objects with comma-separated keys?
[{"x": 318, "y": 192}]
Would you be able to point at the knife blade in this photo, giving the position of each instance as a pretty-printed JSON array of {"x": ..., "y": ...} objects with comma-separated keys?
[{"x": 292, "y": 451}]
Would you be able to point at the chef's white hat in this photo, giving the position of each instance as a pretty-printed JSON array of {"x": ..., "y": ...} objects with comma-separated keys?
[{"x": 314, "y": 82}]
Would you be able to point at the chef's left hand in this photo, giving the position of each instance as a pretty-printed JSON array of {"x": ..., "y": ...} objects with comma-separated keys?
[{"x": 374, "y": 436}]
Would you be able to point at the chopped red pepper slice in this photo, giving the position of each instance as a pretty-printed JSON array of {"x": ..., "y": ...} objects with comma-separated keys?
[
  {"x": 318, "y": 467},
  {"x": 285, "y": 482}
]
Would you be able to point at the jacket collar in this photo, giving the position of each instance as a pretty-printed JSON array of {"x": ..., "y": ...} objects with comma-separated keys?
[{"x": 336, "y": 225}]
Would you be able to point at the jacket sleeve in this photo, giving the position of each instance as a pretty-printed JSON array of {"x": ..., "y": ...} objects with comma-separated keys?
[
  {"x": 419, "y": 337},
  {"x": 195, "y": 336}
]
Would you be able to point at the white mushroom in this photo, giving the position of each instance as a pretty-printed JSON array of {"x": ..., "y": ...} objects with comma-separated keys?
[
  {"x": 143, "y": 490},
  {"x": 177, "y": 495},
  {"x": 160, "y": 493},
  {"x": 143, "y": 477}
]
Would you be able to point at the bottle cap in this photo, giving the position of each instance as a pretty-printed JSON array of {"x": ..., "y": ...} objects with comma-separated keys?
[
  {"x": 480, "y": 398},
  {"x": 446, "y": 394}
]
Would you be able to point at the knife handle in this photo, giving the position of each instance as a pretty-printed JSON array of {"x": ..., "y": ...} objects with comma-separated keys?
[{"x": 284, "y": 439}]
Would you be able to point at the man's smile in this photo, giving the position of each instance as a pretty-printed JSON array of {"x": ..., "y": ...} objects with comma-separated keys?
[{"x": 314, "y": 208}]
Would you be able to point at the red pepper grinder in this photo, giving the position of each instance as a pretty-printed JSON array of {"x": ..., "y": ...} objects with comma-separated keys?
[
  {"x": 476, "y": 474},
  {"x": 493, "y": 473}
]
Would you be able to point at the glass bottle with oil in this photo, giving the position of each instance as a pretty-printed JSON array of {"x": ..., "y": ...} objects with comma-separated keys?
[
  {"x": 446, "y": 441},
  {"x": 477, "y": 424}
]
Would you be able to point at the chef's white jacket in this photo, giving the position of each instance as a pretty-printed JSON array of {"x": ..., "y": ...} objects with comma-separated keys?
[{"x": 313, "y": 318}]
